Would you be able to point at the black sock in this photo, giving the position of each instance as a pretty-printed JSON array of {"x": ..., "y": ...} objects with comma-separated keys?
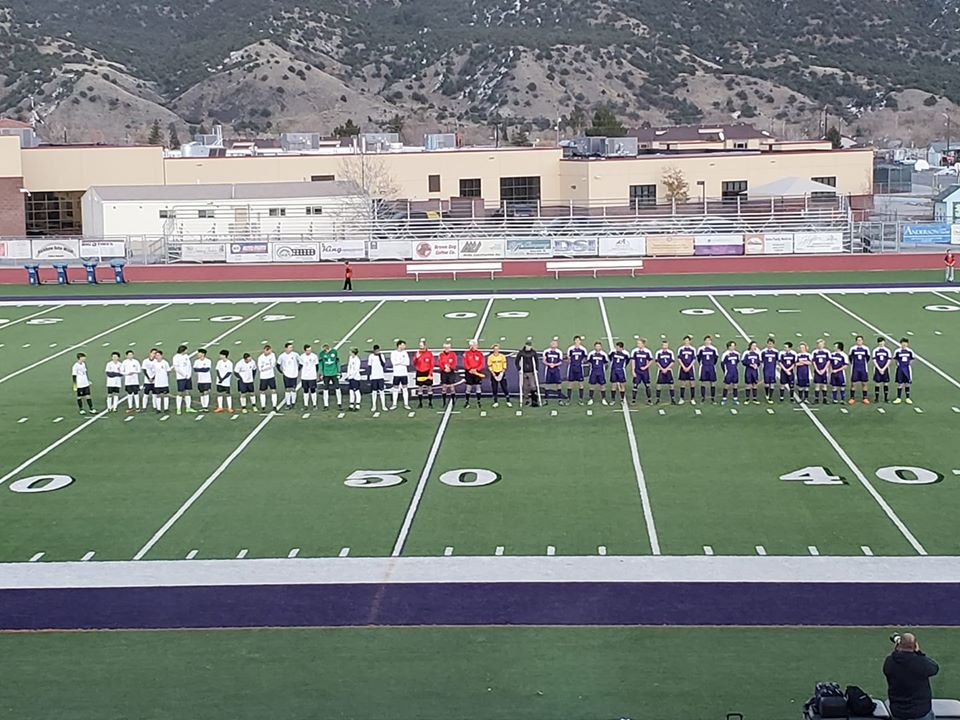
[
  {"x": 90, "y": 402},
  {"x": 79, "y": 404}
]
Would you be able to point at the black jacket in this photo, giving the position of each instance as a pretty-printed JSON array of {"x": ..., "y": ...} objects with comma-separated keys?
[
  {"x": 908, "y": 683},
  {"x": 527, "y": 360}
]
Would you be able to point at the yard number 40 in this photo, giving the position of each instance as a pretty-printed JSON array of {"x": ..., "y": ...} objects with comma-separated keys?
[{"x": 899, "y": 474}]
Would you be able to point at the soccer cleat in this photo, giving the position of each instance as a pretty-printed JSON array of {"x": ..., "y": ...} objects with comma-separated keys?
[
  {"x": 692, "y": 401},
  {"x": 769, "y": 401},
  {"x": 190, "y": 411},
  {"x": 406, "y": 407},
  {"x": 496, "y": 404},
  {"x": 219, "y": 410},
  {"x": 866, "y": 401},
  {"x": 510, "y": 404},
  {"x": 909, "y": 401},
  {"x": 590, "y": 401},
  {"x": 897, "y": 401},
  {"x": 179, "y": 411},
  {"x": 851, "y": 401},
  {"x": 682, "y": 401},
  {"x": 604, "y": 401},
  {"x": 253, "y": 408},
  {"x": 83, "y": 412},
  {"x": 723, "y": 402},
  {"x": 244, "y": 411}
]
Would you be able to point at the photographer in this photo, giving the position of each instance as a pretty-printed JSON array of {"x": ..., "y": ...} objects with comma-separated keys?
[{"x": 908, "y": 674}]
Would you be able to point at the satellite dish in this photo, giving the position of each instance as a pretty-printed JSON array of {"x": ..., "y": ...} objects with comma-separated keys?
[{"x": 921, "y": 165}]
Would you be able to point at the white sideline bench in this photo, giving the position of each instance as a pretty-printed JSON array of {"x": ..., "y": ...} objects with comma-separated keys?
[
  {"x": 943, "y": 709},
  {"x": 559, "y": 266},
  {"x": 454, "y": 268}
]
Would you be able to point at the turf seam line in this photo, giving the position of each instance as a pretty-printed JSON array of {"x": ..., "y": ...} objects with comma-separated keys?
[
  {"x": 51, "y": 447},
  {"x": 30, "y": 317},
  {"x": 854, "y": 468}
]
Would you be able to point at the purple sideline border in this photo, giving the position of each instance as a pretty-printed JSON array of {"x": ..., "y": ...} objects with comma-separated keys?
[{"x": 530, "y": 603}]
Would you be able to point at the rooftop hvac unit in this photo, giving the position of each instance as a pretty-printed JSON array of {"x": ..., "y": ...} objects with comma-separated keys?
[
  {"x": 378, "y": 142},
  {"x": 440, "y": 141},
  {"x": 589, "y": 146},
  {"x": 621, "y": 147},
  {"x": 300, "y": 141}
]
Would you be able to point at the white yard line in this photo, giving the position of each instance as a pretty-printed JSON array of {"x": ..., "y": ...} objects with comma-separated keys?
[
  {"x": 47, "y": 359},
  {"x": 867, "y": 485},
  {"x": 953, "y": 300},
  {"x": 359, "y": 325},
  {"x": 483, "y": 320},
  {"x": 30, "y": 317},
  {"x": 874, "y": 328},
  {"x": 635, "y": 453}
]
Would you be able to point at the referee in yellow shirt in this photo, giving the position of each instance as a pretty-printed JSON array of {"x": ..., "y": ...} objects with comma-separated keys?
[{"x": 497, "y": 364}]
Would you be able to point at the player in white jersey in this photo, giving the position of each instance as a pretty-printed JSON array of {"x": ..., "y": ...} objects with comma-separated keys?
[
  {"x": 81, "y": 383},
  {"x": 246, "y": 371},
  {"x": 400, "y": 360},
  {"x": 267, "y": 370},
  {"x": 130, "y": 367},
  {"x": 148, "y": 372},
  {"x": 224, "y": 372},
  {"x": 161, "y": 383},
  {"x": 203, "y": 369},
  {"x": 183, "y": 372},
  {"x": 309, "y": 368},
  {"x": 113, "y": 371},
  {"x": 289, "y": 363},
  {"x": 353, "y": 378},
  {"x": 376, "y": 369}
]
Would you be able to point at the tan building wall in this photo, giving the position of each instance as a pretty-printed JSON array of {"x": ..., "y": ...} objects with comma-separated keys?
[
  {"x": 77, "y": 168},
  {"x": 10, "y": 165}
]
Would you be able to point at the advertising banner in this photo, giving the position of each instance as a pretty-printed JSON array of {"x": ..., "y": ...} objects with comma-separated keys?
[
  {"x": 718, "y": 249},
  {"x": 669, "y": 245},
  {"x": 103, "y": 249},
  {"x": 526, "y": 247},
  {"x": 818, "y": 242},
  {"x": 55, "y": 249},
  {"x": 624, "y": 246},
  {"x": 391, "y": 250},
  {"x": 574, "y": 246},
  {"x": 435, "y": 250},
  {"x": 203, "y": 252},
  {"x": 927, "y": 233},
  {"x": 717, "y": 239},
  {"x": 15, "y": 249},
  {"x": 301, "y": 252},
  {"x": 753, "y": 244},
  {"x": 249, "y": 252},
  {"x": 483, "y": 248},
  {"x": 778, "y": 243},
  {"x": 955, "y": 234},
  {"x": 343, "y": 250}
]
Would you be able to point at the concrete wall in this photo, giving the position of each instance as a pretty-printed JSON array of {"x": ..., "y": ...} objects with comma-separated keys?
[
  {"x": 50, "y": 168},
  {"x": 12, "y": 207}
]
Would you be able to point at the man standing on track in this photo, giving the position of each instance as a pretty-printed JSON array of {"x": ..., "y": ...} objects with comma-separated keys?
[
  {"x": 949, "y": 261},
  {"x": 347, "y": 276}
]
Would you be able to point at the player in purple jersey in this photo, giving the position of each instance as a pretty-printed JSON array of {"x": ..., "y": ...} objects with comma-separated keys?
[
  {"x": 665, "y": 360},
  {"x": 708, "y": 356},
  {"x": 769, "y": 360},
  {"x": 903, "y": 357},
  {"x": 838, "y": 372},
  {"x": 618, "y": 371},
  {"x": 598, "y": 360},
  {"x": 730, "y": 362},
  {"x": 881, "y": 370},
  {"x": 552, "y": 361},
  {"x": 788, "y": 368},
  {"x": 642, "y": 360},
  {"x": 751, "y": 373},
  {"x": 859, "y": 360},
  {"x": 820, "y": 359},
  {"x": 686, "y": 357},
  {"x": 577, "y": 356},
  {"x": 804, "y": 362}
]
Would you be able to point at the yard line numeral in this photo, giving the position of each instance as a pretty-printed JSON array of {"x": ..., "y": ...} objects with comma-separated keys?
[
  {"x": 813, "y": 475},
  {"x": 374, "y": 478},
  {"x": 898, "y": 474},
  {"x": 463, "y": 477},
  {"x": 41, "y": 483}
]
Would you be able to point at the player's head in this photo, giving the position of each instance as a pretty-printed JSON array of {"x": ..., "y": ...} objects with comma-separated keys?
[
  {"x": 473, "y": 344},
  {"x": 664, "y": 343},
  {"x": 376, "y": 348},
  {"x": 288, "y": 347},
  {"x": 821, "y": 343},
  {"x": 554, "y": 343},
  {"x": 495, "y": 347},
  {"x": 202, "y": 352},
  {"x": 598, "y": 345},
  {"x": 246, "y": 356},
  {"x": 904, "y": 342},
  {"x": 446, "y": 346},
  {"x": 838, "y": 346},
  {"x": 803, "y": 347},
  {"x": 354, "y": 351},
  {"x": 687, "y": 339},
  {"x": 129, "y": 353},
  {"x": 81, "y": 357},
  {"x": 771, "y": 342},
  {"x": 224, "y": 354},
  {"x": 267, "y": 349},
  {"x": 422, "y": 344},
  {"x": 159, "y": 353},
  {"x": 731, "y": 345},
  {"x": 881, "y": 341},
  {"x": 788, "y": 345},
  {"x": 401, "y": 345},
  {"x": 859, "y": 340},
  {"x": 306, "y": 348},
  {"x": 153, "y": 353},
  {"x": 619, "y": 345},
  {"x": 641, "y": 342},
  {"x": 114, "y": 356},
  {"x": 181, "y": 349},
  {"x": 752, "y": 345},
  {"x": 708, "y": 339},
  {"x": 326, "y": 347},
  {"x": 576, "y": 339}
]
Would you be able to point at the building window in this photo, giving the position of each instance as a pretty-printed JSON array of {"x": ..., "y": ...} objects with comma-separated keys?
[
  {"x": 732, "y": 189},
  {"x": 277, "y": 212},
  {"x": 205, "y": 214},
  {"x": 322, "y": 178},
  {"x": 643, "y": 195},
  {"x": 739, "y": 145},
  {"x": 167, "y": 214},
  {"x": 470, "y": 187},
  {"x": 53, "y": 213},
  {"x": 524, "y": 190},
  {"x": 830, "y": 180},
  {"x": 433, "y": 182},
  {"x": 315, "y": 210}
]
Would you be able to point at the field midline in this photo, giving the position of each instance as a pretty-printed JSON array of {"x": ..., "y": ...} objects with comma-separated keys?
[{"x": 538, "y": 293}]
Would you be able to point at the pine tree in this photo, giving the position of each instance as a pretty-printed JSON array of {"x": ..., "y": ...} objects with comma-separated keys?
[
  {"x": 348, "y": 129},
  {"x": 605, "y": 124},
  {"x": 155, "y": 138},
  {"x": 173, "y": 140}
]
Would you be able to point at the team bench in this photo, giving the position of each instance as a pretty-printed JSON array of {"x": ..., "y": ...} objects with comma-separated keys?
[
  {"x": 559, "y": 266},
  {"x": 453, "y": 268}
]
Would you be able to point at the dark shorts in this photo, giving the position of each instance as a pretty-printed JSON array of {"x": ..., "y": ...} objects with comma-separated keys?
[
  {"x": 148, "y": 388},
  {"x": 665, "y": 377},
  {"x": 203, "y": 387},
  {"x": 903, "y": 377},
  {"x": 376, "y": 385},
  {"x": 165, "y": 390},
  {"x": 289, "y": 383},
  {"x": 803, "y": 380},
  {"x": 769, "y": 377},
  {"x": 223, "y": 389},
  {"x": 113, "y": 390},
  {"x": 553, "y": 377},
  {"x": 641, "y": 378},
  {"x": 858, "y": 375},
  {"x": 471, "y": 379},
  {"x": 353, "y": 384},
  {"x": 819, "y": 378},
  {"x": 424, "y": 380},
  {"x": 617, "y": 375},
  {"x": 399, "y": 380},
  {"x": 184, "y": 385},
  {"x": 83, "y": 392},
  {"x": 244, "y": 388},
  {"x": 331, "y": 382},
  {"x": 708, "y": 375},
  {"x": 838, "y": 379},
  {"x": 881, "y": 377},
  {"x": 268, "y": 384},
  {"x": 786, "y": 378},
  {"x": 686, "y": 376},
  {"x": 575, "y": 373},
  {"x": 448, "y": 377},
  {"x": 309, "y": 386},
  {"x": 732, "y": 377},
  {"x": 132, "y": 389},
  {"x": 751, "y": 376},
  {"x": 598, "y": 379}
]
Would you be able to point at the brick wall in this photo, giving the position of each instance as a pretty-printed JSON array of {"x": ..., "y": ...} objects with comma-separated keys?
[{"x": 12, "y": 215}]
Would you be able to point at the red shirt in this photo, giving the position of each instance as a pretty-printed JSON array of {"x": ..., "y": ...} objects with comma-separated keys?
[
  {"x": 423, "y": 362},
  {"x": 448, "y": 360},
  {"x": 348, "y": 272},
  {"x": 473, "y": 360},
  {"x": 950, "y": 260}
]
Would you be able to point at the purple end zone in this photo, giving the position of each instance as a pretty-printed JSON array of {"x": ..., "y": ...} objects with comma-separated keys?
[{"x": 482, "y": 604}]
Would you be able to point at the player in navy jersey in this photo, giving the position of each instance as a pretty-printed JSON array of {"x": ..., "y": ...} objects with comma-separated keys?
[
  {"x": 665, "y": 360},
  {"x": 804, "y": 362},
  {"x": 618, "y": 371},
  {"x": 903, "y": 357},
  {"x": 598, "y": 361},
  {"x": 552, "y": 361},
  {"x": 820, "y": 359},
  {"x": 751, "y": 373},
  {"x": 769, "y": 361},
  {"x": 642, "y": 360},
  {"x": 577, "y": 356},
  {"x": 838, "y": 372},
  {"x": 730, "y": 362},
  {"x": 859, "y": 360},
  {"x": 788, "y": 368},
  {"x": 686, "y": 357},
  {"x": 881, "y": 370},
  {"x": 708, "y": 356}
]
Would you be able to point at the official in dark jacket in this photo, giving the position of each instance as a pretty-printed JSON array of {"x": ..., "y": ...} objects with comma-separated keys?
[
  {"x": 528, "y": 364},
  {"x": 908, "y": 674}
]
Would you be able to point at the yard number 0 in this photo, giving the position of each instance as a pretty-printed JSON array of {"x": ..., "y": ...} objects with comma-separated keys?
[{"x": 41, "y": 483}]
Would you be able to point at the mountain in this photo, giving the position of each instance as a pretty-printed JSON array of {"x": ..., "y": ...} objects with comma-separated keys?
[{"x": 105, "y": 71}]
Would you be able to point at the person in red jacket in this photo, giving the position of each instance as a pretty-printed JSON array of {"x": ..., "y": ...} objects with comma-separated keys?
[
  {"x": 423, "y": 364},
  {"x": 447, "y": 362},
  {"x": 473, "y": 363},
  {"x": 949, "y": 263}
]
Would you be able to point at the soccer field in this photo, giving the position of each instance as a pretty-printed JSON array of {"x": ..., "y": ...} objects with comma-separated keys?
[{"x": 568, "y": 481}]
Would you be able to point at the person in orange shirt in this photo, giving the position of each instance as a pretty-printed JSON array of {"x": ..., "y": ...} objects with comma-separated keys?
[
  {"x": 347, "y": 276},
  {"x": 473, "y": 371},
  {"x": 949, "y": 261},
  {"x": 447, "y": 362},
  {"x": 423, "y": 363}
]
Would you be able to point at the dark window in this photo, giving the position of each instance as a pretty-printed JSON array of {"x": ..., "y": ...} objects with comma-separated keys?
[
  {"x": 277, "y": 212},
  {"x": 515, "y": 190},
  {"x": 321, "y": 178},
  {"x": 53, "y": 213},
  {"x": 470, "y": 187},
  {"x": 208, "y": 214},
  {"x": 433, "y": 181},
  {"x": 643, "y": 195},
  {"x": 830, "y": 180},
  {"x": 167, "y": 214},
  {"x": 732, "y": 189},
  {"x": 739, "y": 145},
  {"x": 315, "y": 210}
]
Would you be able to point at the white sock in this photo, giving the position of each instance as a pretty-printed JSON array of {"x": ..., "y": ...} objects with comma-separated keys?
[
  {"x": 188, "y": 401},
  {"x": 243, "y": 401},
  {"x": 383, "y": 399},
  {"x": 220, "y": 401},
  {"x": 274, "y": 398},
  {"x": 373, "y": 401},
  {"x": 326, "y": 398},
  {"x": 406, "y": 395},
  {"x": 204, "y": 401},
  {"x": 339, "y": 393},
  {"x": 263, "y": 400},
  {"x": 229, "y": 402},
  {"x": 166, "y": 403},
  {"x": 394, "y": 391},
  {"x": 179, "y": 402},
  {"x": 306, "y": 400},
  {"x": 313, "y": 398}
]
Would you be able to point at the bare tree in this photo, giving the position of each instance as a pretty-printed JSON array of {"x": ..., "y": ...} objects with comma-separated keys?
[
  {"x": 374, "y": 178},
  {"x": 676, "y": 185}
]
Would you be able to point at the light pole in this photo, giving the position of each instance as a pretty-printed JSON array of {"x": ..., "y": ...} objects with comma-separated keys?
[{"x": 947, "y": 118}]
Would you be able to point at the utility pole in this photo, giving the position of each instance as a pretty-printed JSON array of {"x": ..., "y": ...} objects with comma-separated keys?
[{"x": 947, "y": 117}]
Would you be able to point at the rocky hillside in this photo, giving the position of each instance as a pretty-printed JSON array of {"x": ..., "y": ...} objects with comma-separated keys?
[{"x": 104, "y": 72}]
